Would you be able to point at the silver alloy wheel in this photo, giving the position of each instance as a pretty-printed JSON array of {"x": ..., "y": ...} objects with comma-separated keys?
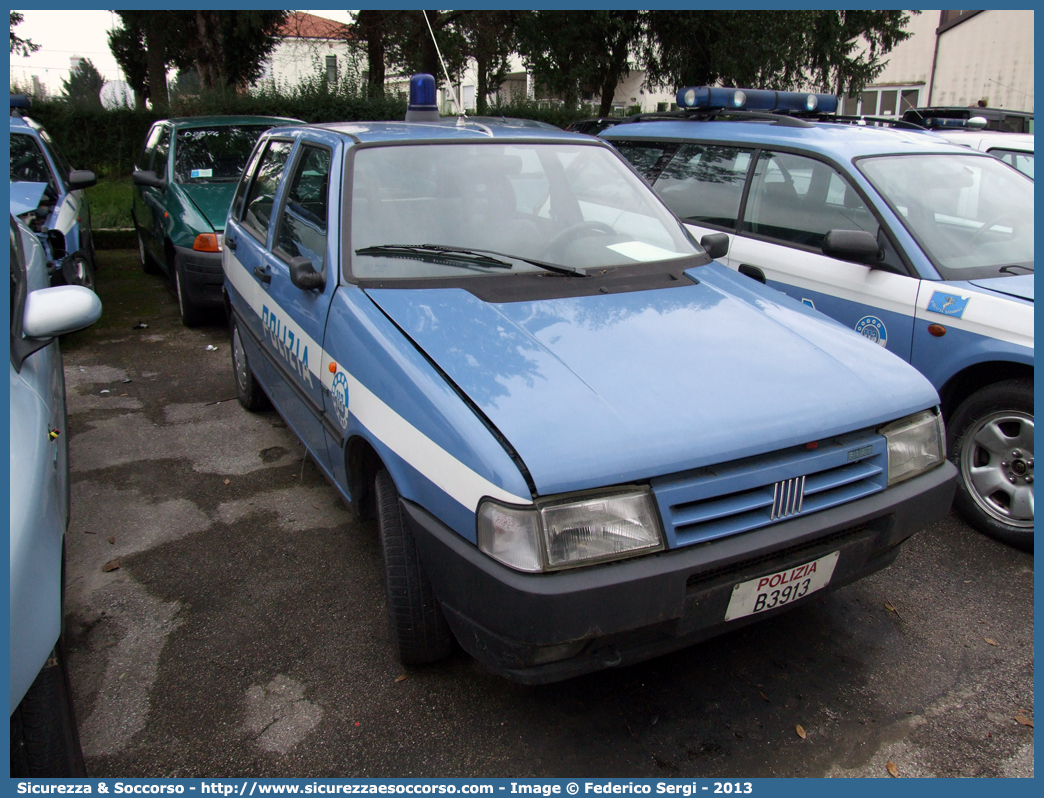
[
  {"x": 997, "y": 466},
  {"x": 239, "y": 360}
]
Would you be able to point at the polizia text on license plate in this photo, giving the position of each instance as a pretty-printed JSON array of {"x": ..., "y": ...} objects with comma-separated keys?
[{"x": 783, "y": 587}]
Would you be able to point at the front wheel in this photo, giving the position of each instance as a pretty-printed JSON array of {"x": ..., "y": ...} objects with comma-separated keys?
[
  {"x": 419, "y": 631},
  {"x": 191, "y": 314},
  {"x": 991, "y": 443},
  {"x": 44, "y": 742}
]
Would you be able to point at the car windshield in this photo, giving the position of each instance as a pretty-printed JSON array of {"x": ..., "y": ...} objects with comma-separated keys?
[
  {"x": 571, "y": 205},
  {"x": 27, "y": 161},
  {"x": 209, "y": 154},
  {"x": 972, "y": 215}
]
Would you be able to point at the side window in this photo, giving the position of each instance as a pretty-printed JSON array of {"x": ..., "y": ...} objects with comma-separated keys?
[
  {"x": 159, "y": 155},
  {"x": 799, "y": 200},
  {"x": 150, "y": 147},
  {"x": 302, "y": 227},
  {"x": 1023, "y": 161},
  {"x": 244, "y": 181},
  {"x": 257, "y": 215},
  {"x": 704, "y": 184}
]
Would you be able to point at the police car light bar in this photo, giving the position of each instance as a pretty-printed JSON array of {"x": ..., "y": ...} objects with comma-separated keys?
[
  {"x": 715, "y": 98},
  {"x": 423, "y": 105}
]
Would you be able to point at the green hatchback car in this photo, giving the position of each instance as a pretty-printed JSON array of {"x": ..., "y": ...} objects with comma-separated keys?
[{"x": 184, "y": 181}]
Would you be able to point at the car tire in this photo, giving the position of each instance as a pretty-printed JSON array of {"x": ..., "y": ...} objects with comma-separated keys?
[
  {"x": 990, "y": 440},
  {"x": 44, "y": 742},
  {"x": 147, "y": 264},
  {"x": 191, "y": 314},
  {"x": 249, "y": 391},
  {"x": 419, "y": 631},
  {"x": 78, "y": 270}
]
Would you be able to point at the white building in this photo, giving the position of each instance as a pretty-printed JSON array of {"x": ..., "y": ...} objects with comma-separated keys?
[
  {"x": 311, "y": 46},
  {"x": 956, "y": 58}
]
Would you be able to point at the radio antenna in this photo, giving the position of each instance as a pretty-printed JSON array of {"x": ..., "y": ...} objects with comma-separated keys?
[{"x": 449, "y": 83}]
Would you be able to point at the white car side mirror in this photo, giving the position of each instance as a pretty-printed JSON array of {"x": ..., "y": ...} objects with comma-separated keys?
[{"x": 50, "y": 312}]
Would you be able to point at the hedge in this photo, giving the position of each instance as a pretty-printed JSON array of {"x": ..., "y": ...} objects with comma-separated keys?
[{"x": 108, "y": 142}]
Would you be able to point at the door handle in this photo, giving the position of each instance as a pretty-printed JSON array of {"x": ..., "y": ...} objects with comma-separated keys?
[
  {"x": 230, "y": 243},
  {"x": 752, "y": 272},
  {"x": 262, "y": 274}
]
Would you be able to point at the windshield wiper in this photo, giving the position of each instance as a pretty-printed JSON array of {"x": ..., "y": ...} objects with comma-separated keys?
[
  {"x": 460, "y": 256},
  {"x": 449, "y": 256},
  {"x": 1008, "y": 269}
]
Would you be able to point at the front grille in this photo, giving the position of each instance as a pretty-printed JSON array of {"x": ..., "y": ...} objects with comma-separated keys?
[{"x": 747, "y": 494}]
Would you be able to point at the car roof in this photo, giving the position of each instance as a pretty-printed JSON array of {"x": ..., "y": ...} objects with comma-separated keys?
[
  {"x": 24, "y": 124},
  {"x": 840, "y": 141},
  {"x": 445, "y": 130},
  {"x": 229, "y": 120}
]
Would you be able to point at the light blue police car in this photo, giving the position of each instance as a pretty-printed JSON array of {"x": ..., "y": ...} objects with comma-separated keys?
[
  {"x": 54, "y": 198},
  {"x": 923, "y": 247},
  {"x": 585, "y": 443}
]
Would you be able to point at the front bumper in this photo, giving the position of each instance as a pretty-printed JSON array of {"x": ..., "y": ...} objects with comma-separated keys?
[
  {"x": 202, "y": 277},
  {"x": 537, "y": 628}
]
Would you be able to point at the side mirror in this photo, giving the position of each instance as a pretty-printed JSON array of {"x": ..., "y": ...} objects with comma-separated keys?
[
  {"x": 50, "y": 312},
  {"x": 81, "y": 178},
  {"x": 304, "y": 275},
  {"x": 858, "y": 246},
  {"x": 715, "y": 244},
  {"x": 146, "y": 177}
]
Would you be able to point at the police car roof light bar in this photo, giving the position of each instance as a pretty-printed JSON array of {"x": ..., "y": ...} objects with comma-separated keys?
[{"x": 713, "y": 97}]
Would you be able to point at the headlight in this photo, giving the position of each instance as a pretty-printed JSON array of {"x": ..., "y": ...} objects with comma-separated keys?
[
  {"x": 564, "y": 533},
  {"x": 915, "y": 444}
]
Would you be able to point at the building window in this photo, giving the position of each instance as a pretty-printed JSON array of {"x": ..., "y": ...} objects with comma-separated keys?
[
  {"x": 947, "y": 19},
  {"x": 888, "y": 100},
  {"x": 868, "y": 101},
  {"x": 331, "y": 69},
  {"x": 909, "y": 99}
]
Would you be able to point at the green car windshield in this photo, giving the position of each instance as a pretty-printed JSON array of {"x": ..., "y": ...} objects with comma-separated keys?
[{"x": 214, "y": 154}]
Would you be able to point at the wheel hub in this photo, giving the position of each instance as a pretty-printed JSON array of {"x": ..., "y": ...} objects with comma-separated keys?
[{"x": 997, "y": 466}]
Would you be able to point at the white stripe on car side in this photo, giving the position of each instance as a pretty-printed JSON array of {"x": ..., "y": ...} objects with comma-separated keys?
[
  {"x": 435, "y": 463},
  {"x": 987, "y": 314}
]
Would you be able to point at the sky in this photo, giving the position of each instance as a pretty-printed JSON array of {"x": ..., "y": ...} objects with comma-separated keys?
[{"x": 67, "y": 33}]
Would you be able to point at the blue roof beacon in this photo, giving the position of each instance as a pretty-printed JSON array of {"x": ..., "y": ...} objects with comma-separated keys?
[{"x": 585, "y": 442}]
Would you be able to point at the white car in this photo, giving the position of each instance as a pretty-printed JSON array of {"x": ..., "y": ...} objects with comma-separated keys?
[{"x": 1015, "y": 149}]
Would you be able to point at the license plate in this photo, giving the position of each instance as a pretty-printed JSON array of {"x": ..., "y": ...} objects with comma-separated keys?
[{"x": 781, "y": 588}]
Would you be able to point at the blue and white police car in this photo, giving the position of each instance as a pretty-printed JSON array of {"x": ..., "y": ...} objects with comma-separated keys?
[
  {"x": 923, "y": 247},
  {"x": 54, "y": 198},
  {"x": 585, "y": 443}
]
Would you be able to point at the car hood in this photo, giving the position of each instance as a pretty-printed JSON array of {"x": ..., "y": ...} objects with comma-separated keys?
[
  {"x": 211, "y": 199},
  {"x": 26, "y": 197},
  {"x": 1018, "y": 285},
  {"x": 601, "y": 390}
]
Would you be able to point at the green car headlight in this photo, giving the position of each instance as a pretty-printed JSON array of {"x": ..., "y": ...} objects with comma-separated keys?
[
  {"x": 915, "y": 445},
  {"x": 564, "y": 533}
]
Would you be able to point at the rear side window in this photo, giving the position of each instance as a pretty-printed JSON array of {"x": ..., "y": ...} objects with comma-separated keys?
[
  {"x": 302, "y": 228},
  {"x": 257, "y": 216},
  {"x": 1023, "y": 161},
  {"x": 799, "y": 200},
  {"x": 244, "y": 181},
  {"x": 703, "y": 184}
]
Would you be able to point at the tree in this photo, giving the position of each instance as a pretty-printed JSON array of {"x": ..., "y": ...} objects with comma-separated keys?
[
  {"x": 146, "y": 45},
  {"x": 489, "y": 39},
  {"x": 770, "y": 49},
  {"x": 20, "y": 46},
  {"x": 231, "y": 46},
  {"x": 372, "y": 26},
  {"x": 579, "y": 53},
  {"x": 83, "y": 86}
]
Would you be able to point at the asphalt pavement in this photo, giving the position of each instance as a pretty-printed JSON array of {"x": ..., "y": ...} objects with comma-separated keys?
[{"x": 226, "y": 617}]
